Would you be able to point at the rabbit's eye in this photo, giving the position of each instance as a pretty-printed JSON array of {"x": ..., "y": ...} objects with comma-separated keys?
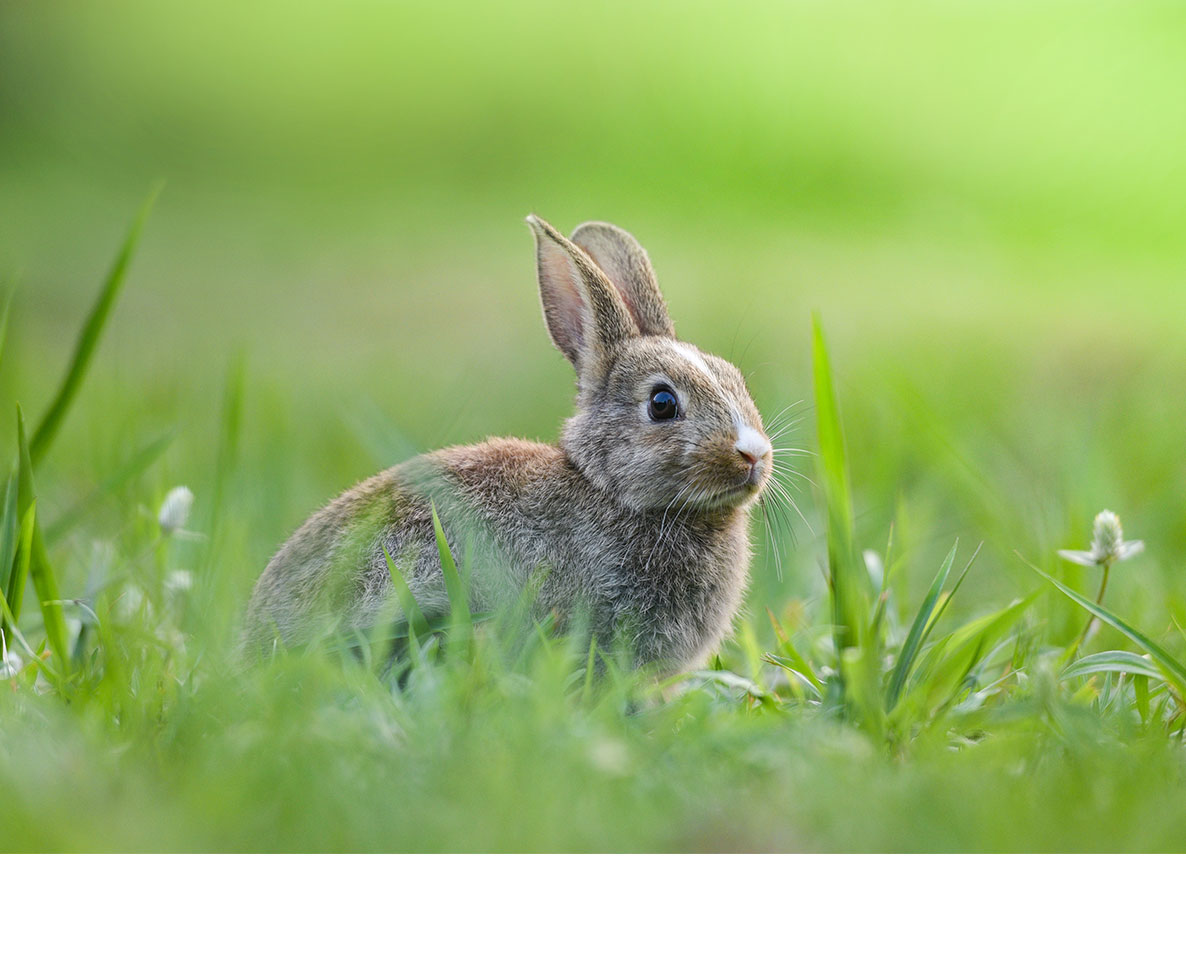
[{"x": 664, "y": 406}]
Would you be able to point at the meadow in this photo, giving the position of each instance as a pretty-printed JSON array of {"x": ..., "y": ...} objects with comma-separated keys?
[{"x": 946, "y": 237}]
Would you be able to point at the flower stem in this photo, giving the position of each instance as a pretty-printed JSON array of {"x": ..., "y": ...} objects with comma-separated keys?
[{"x": 1079, "y": 640}]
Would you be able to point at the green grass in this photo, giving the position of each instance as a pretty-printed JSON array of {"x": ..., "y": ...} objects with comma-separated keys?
[
  {"x": 983, "y": 203},
  {"x": 861, "y": 720}
]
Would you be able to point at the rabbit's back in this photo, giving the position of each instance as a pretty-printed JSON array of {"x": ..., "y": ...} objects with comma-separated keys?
[{"x": 333, "y": 575}]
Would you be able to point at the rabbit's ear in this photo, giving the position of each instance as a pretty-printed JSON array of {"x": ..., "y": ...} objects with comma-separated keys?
[
  {"x": 625, "y": 262},
  {"x": 584, "y": 311}
]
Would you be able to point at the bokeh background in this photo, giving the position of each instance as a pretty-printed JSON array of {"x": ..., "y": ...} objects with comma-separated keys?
[{"x": 985, "y": 201}]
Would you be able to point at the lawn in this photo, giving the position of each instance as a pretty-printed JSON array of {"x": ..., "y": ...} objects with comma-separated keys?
[{"x": 979, "y": 206}]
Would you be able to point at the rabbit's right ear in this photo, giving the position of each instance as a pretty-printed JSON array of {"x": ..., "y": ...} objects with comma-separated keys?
[
  {"x": 584, "y": 312},
  {"x": 625, "y": 262}
]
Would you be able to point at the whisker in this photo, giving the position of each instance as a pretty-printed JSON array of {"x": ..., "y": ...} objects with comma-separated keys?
[
  {"x": 689, "y": 484},
  {"x": 781, "y": 491},
  {"x": 790, "y": 407},
  {"x": 771, "y": 538},
  {"x": 778, "y": 526},
  {"x": 777, "y": 434},
  {"x": 783, "y": 469}
]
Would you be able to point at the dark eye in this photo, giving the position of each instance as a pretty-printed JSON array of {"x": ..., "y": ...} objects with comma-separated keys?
[{"x": 664, "y": 406}]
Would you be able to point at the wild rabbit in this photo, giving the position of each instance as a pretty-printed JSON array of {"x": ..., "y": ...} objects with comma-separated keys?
[{"x": 637, "y": 520}]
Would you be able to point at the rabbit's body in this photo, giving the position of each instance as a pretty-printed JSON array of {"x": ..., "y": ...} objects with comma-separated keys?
[
  {"x": 637, "y": 520},
  {"x": 642, "y": 578}
]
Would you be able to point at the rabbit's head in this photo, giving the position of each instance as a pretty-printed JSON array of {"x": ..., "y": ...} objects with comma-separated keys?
[{"x": 659, "y": 423}]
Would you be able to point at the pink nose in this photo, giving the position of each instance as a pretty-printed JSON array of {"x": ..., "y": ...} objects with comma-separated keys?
[{"x": 752, "y": 445}]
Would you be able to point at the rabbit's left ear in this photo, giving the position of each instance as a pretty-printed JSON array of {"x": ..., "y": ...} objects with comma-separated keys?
[
  {"x": 584, "y": 311},
  {"x": 625, "y": 262}
]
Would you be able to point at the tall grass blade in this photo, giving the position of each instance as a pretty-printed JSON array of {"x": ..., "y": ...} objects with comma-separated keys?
[
  {"x": 9, "y": 530},
  {"x": 413, "y": 616},
  {"x": 845, "y": 572},
  {"x": 832, "y": 458},
  {"x": 40, "y": 567},
  {"x": 458, "y": 601},
  {"x": 1172, "y": 667},
  {"x": 946, "y": 600},
  {"x": 88, "y": 339},
  {"x": 19, "y": 575},
  {"x": 914, "y": 638}
]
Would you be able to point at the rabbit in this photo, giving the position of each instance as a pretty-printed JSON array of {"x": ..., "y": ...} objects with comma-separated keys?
[{"x": 637, "y": 520}]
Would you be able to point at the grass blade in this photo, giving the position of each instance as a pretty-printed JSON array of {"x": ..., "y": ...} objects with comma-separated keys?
[
  {"x": 793, "y": 660},
  {"x": 1112, "y": 662},
  {"x": 729, "y": 681},
  {"x": 1172, "y": 667},
  {"x": 832, "y": 458},
  {"x": 914, "y": 638},
  {"x": 8, "y": 621},
  {"x": 19, "y": 575},
  {"x": 88, "y": 339},
  {"x": 959, "y": 581},
  {"x": 462, "y": 621},
  {"x": 40, "y": 568},
  {"x": 799, "y": 682},
  {"x": 845, "y": 571},
  {"x": 9, "y": 530},
  {"x": 957, "y": 655},
  {"x": 413, "y": 616}
]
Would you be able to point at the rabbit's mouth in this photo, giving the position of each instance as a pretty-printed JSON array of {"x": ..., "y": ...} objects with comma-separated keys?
[
  {"x": 739, "y": 493},
  {"x": 724, "y": 480}
]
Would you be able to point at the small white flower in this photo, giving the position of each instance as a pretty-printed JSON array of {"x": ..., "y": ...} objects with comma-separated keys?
[
  {"x": 1107, "y": 544},
  {"x": 175, "y": 509},
  {"x": 130, "y": 603},
  {"x": 179, "y": 580},
  {"x": 610, "y": 756},
  {"x": 10, "y": 666}
]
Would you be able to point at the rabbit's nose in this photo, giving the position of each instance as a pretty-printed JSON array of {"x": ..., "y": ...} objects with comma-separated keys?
[{"x": 752, "y": 445}]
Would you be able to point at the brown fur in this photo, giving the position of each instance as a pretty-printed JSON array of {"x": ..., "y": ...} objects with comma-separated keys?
[{"x": 639, "y": 524}]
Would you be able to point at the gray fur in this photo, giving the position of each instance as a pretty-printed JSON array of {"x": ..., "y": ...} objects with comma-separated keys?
[{"x": 639, "y": 525}]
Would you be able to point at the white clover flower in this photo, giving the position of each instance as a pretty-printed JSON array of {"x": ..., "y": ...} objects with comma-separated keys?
[
  {"x": 10, "y": 666},
  {"x": 130, "y": 602},
  {"x": 1107, "y": 544},
  {"x": 610, "y": 756},
  {"x": 175, "y": 509},
  {"x": 179, "y": 581}
]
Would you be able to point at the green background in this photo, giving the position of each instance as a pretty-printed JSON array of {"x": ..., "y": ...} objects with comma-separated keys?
[{"x": 986, "y": 203}]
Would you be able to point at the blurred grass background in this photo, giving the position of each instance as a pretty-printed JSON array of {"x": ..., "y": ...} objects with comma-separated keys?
[{"x": 985, "y": 201}]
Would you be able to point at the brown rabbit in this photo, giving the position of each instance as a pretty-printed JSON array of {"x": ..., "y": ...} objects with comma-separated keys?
[{"x": 637, "y": 519}]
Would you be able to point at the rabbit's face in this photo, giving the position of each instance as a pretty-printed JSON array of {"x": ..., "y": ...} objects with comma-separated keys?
[
  {"x": 659, "y": 424},
  {"x": 670, "y": 427}
]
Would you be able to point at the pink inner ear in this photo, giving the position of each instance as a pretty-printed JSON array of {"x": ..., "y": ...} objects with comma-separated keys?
[{"x": 565, "y": 299}]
